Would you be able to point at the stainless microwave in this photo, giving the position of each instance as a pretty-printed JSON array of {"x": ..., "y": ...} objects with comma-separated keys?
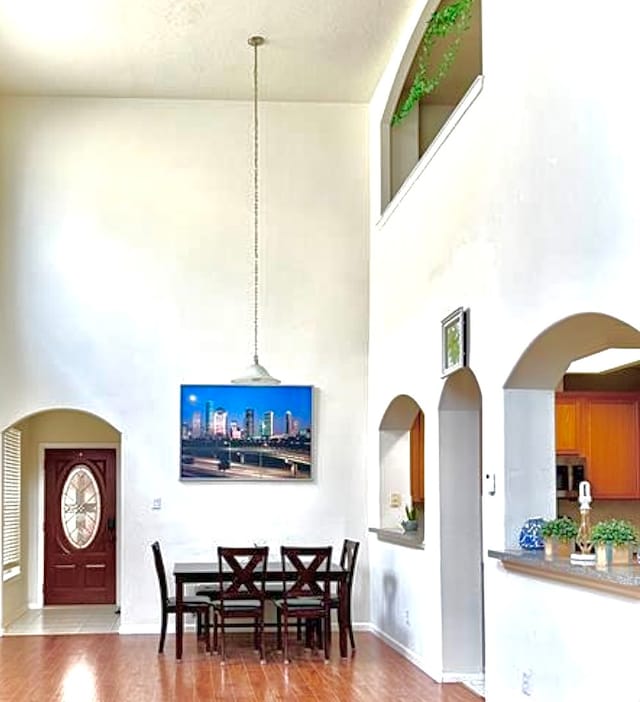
[{"x": 571, "y": 470}]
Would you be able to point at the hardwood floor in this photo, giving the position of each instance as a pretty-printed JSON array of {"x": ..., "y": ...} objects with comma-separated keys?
[{"x": 110, "y": 668}]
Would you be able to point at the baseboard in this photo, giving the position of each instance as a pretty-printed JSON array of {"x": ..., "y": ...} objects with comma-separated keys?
[
  {"x": 22, "y": 610},
  {"x": 406, "y": 653},
  {"x": 462, "y": 677}
]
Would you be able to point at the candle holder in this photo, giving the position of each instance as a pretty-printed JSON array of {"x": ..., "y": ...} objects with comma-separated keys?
[{"x": 583, "y": 538}]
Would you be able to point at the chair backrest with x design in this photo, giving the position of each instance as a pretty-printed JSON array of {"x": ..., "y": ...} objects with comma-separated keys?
[
  {"x": 311, "y": 566},
  {"x": 248, "y": 567}
]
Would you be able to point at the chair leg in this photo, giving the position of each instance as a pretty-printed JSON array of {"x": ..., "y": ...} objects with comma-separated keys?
[
  {"x": 308, "y": 632},
  {"x": 279, "y": 629},
  {"x": 215, "y": 632},
  {"x": 207, "y": 632},
  {"x": 223, "y": 653},
  {"x": 349, "y": 626},
  {"x": 260, "y": 624},
  {"x": 198, "y": 624},
  {"x": 256, "y": 637},
  {"x": 163, "y": 630},
  {"x": 327, "y": 637},
  {"x": 285, "y": 650}
]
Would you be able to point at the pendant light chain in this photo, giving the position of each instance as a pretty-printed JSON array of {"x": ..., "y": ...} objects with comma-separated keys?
[
  {"x": 256, "y": 374},
  {"x": 255, "y": 42}
]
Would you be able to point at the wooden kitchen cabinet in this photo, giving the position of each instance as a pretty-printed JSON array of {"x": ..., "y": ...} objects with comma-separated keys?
[
  {"x": 604, "y": 428},
  {"x": 612, "y": 447},
  {"x": 569, "y": 434},
  {"x": 416, "y": 438}
]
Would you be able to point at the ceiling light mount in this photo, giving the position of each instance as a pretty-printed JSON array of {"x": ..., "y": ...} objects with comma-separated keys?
[{"x": 255, "y": 374}]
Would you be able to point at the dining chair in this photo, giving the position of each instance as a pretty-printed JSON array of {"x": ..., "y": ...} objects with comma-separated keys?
[
  {"x": 348, "y": 559},
  {"x": 200, "y": 606},
  {"x": 242, "y": 596},
  {"x": 307, "y": 595}
]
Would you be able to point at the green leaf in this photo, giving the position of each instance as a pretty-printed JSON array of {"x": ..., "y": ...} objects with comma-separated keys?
[{"x": 453, "y": 19}]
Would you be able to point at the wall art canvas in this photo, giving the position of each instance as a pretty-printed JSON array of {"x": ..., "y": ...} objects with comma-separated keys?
[
  {"x": 241, "y": 432},
  {"x": 454, "y": 341}
]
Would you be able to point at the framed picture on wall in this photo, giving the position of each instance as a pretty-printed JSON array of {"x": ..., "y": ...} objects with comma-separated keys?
[
  {"x": 232, "y": 433},
  {"x": 454, "y": 341}
]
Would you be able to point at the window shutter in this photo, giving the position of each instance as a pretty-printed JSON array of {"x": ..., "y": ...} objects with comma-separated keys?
[{"x": 11, "y": 500}]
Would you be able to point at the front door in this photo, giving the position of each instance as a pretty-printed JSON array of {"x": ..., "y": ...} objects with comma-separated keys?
[{"x": 80, "y": 535}]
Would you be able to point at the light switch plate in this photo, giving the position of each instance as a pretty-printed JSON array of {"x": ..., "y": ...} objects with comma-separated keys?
[
  {"x": 395, "y": 499},
  {"x": 157, "y": 503}
]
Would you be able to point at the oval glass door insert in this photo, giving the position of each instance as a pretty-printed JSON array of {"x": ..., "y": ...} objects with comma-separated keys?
[{"x": 80, "y": 508}]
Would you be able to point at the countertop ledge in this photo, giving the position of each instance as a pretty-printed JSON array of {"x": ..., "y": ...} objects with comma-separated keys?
[
  {"x": 619, "y": 580},
  {"x": 399, "y": 537}
]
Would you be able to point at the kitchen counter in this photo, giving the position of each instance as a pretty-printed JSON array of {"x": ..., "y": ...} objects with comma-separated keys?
[{"x": 619, "y": 579}]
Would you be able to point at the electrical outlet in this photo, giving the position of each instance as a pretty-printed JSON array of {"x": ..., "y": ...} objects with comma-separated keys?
[
  {"x": 406, "y": 618},
  {"x": 395, "y": 499},
  {"x": 526, "y": 682},
  {"x": 157, "y": 503}
]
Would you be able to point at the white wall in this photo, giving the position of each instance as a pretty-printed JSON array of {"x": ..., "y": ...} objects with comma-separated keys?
[
  {"x": 527, "y": 214},
  {"x": 125, "y": 270},
  {"x": 574, "y": 644},
  {"x": 395, "y": 456}
]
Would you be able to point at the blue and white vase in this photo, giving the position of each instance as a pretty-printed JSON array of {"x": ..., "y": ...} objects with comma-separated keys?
[{"x": 531, "y": 535}]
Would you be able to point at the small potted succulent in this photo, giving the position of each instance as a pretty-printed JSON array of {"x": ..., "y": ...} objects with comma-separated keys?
[
  {"x": 613, "y": 540},
  {"x": 559, "y": 537},
  {"x": 411, "y": 522}
]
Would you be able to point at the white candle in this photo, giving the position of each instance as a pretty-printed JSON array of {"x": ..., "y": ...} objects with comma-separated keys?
[{"x": 584, "y": 493}]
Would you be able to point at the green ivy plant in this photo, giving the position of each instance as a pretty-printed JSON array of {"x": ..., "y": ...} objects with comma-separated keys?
[
  {"x": 614, "y": 531},
  {"x": 452, "y": 20},
  {"x": 563, "y": 529}
]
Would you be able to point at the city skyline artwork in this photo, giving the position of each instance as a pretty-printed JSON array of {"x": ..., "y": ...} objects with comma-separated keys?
[{"x": 240, "y": 432}]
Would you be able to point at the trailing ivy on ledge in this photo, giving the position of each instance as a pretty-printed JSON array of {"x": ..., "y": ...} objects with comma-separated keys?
[{"x": 452, "y": 20}]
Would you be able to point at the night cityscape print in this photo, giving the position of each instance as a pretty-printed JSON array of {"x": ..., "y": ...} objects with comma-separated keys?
[{"x": 241, "y": 432}]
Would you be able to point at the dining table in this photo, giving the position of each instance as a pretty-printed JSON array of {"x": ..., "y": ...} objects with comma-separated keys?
[{"x": 209, "y": 572}]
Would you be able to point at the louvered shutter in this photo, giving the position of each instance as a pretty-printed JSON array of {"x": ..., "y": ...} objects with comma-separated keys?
[{"x": 11, "y": 501}]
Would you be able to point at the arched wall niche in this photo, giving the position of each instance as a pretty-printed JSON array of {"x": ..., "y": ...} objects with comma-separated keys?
[
  {"x": 460, "y": 428},
  {"x": 529, "y": 415},
  {"x": 401, "y": 454}
]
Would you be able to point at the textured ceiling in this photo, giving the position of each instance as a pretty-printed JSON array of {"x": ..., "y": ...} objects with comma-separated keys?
[{"x": 316, "y": 50}]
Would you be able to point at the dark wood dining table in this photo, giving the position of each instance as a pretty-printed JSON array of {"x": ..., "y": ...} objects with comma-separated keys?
[{"x": 208, "y": 572}]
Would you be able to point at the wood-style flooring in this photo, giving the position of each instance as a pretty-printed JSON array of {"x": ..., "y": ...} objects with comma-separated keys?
[{"x": 113, "y": 668}]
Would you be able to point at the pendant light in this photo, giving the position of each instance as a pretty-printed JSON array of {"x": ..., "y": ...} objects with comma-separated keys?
[{"x": 255, "y": 373}]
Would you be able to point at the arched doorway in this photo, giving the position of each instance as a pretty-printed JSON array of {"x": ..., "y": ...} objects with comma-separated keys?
[
  {"x": 461, "y": 526},
  {"x": 51, "y": 429},
  {"x": 529, "y": 399}
]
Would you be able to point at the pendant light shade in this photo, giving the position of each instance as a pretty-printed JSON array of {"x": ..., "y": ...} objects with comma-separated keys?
[{"x": 255, "y": 373}]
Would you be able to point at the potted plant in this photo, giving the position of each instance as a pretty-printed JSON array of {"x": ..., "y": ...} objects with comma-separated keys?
[
  {"x": 613, "y": 539},
  {"x": 411, "y": 522},
  {"x": 559, "y": 537}
]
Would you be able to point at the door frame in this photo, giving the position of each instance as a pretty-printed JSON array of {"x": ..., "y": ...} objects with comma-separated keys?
[{"x": 36, "y": 576}]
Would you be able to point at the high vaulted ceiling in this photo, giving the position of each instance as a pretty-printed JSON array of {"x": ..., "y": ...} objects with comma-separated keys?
[{"x": 316, "y": 50}]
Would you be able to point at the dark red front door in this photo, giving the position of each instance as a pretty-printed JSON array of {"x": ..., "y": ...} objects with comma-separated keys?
[{"x": 80, "y": 535}]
